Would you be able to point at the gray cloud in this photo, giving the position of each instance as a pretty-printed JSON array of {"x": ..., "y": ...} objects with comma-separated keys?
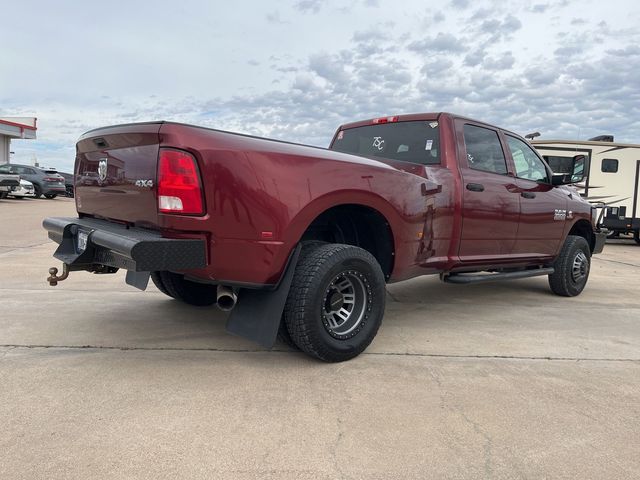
[
  {"x": 442, "y": 42},
  {"x": 329, "y": 68},
  {"x": 436, "y": 67},
  {"x": 502, "y": 62},
  {"x": 540, "y": 8},
  {"x": 498, "y": 29},
  {"x": 460, "y": 4},
  {"x": 568, "y": 51},
  {"x": 475, "y": 57},
  {"x": 629, "y": 50},
  {"x": 309, "y": 6}
]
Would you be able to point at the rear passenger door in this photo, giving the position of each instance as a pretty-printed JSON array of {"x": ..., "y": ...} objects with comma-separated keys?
[
  {"x": 490, "y": 208},
  {"x": 541, "y": 227}
]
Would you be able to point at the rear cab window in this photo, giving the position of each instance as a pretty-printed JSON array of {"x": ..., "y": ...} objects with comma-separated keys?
[{"x": 413, "y": 141}]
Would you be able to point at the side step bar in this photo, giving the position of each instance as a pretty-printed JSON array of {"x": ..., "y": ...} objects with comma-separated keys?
[{"x": 467, "y": 278}]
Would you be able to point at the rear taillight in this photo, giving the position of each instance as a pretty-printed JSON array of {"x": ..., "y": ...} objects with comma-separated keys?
[
  {"x": 51, "y": 179},
  {"x": 179, "y": 186}
]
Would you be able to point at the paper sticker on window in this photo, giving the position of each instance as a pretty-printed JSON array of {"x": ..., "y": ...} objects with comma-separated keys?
[
  {"x": 428, "y": 145},
  {"x": 378, "y": 143},
  {"x": 340, "y": 135},
  {"x": 433, "y": 124}
]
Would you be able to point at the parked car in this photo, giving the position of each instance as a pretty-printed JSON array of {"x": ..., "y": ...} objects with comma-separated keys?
[
  {"x": 7, "y": 183},
  {"x": 304, "y": 239},
  {"x": 68, "y": 180},
  {"x": 24, "y": 190},
  {"x": 48, "y": 184},
  {"x": 68, "y": 183}
]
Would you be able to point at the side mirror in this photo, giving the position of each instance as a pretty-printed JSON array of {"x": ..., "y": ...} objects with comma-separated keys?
[{"x": 576, "y": 174}]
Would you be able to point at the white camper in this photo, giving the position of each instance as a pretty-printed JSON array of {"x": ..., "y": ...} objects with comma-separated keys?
[{"x": 612, "y": 178}]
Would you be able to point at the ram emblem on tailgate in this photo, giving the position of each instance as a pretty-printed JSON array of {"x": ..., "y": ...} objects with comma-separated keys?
[{"x": 102, "y": 169}]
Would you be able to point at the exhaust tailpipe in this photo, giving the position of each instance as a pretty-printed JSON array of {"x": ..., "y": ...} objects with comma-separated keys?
[{"x": 226, "y": 298}]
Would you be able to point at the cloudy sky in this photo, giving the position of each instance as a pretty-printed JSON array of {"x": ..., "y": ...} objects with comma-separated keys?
[{"x": 296, "y": 69}]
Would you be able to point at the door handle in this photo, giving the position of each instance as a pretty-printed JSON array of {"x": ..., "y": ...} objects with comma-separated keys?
[
  {"x": 475, "y": 187},
  {"x": 528, "y": 194}
]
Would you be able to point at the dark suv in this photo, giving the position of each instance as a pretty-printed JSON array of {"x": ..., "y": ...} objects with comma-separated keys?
[{"x": 48, "y": 184}]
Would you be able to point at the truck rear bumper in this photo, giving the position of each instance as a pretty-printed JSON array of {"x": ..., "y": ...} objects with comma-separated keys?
[{"x": 86, "y": 243}]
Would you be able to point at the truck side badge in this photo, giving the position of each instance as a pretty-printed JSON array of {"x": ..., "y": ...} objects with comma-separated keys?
[{"x": 560, "y": 214}]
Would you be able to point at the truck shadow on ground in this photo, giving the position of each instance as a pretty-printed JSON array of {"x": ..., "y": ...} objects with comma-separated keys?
[{"x": 168, "y": 323}]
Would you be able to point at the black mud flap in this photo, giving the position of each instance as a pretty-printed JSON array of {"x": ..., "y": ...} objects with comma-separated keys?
[
  {"x": 258, "y": 313},
  {"x": 140, "y": 280}
]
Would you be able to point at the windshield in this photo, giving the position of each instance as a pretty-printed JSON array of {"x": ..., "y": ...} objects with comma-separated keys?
[{"x": 415, "y": 142}]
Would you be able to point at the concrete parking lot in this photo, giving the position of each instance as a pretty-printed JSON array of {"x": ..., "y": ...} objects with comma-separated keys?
[{"x": 505, "y": 380}]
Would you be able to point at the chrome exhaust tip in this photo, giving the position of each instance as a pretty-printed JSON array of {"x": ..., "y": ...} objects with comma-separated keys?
[{"x": 226, "y": 298}]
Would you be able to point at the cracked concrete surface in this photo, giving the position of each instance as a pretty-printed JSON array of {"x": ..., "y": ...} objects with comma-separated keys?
[{"x": 505, "y": 380}]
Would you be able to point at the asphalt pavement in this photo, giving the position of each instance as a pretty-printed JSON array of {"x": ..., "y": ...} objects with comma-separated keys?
[{"x": 504, "y": 380}]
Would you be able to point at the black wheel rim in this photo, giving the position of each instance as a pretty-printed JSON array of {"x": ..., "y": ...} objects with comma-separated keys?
[
  {"x": 346, "y": 304},
  {"x": 580, "y": 267}
]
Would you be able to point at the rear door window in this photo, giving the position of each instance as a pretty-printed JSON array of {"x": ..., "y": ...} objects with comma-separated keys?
[
  {"x": 484, "y": 151},
  {"x": 415, "y": 142}
]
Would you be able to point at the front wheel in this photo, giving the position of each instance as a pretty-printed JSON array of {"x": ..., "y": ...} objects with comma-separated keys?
[
  {"x": 50, "y": 196},
  {"x": 336, "y": 302},
  {"x": 571, "y": 267}
]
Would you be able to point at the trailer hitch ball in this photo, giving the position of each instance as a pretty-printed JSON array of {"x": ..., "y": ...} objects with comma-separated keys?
[{"x": 53, "y": 278}]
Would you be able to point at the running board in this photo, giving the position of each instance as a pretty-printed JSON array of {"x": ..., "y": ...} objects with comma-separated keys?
[{"x": 467, "y": 278}]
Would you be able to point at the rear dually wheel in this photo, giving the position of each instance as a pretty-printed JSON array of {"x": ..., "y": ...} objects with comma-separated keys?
[
  {"x": 336, "y": 302},
  {"x": 193, "y": 293}
]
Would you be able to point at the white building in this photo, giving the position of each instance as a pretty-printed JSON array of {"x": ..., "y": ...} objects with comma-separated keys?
[{"x": 15, "y": 127}]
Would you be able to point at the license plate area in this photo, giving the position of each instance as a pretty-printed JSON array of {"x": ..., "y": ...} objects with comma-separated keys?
[{"x": 82, "y": 240}]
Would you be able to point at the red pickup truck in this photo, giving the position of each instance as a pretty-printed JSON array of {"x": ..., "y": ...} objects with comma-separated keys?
[{"x": 299, "y": 241}]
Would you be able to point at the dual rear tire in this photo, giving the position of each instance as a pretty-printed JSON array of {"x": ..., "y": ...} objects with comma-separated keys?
[
  {"x": 336, "y": 302},
  {"x": 176, "y": 286}
]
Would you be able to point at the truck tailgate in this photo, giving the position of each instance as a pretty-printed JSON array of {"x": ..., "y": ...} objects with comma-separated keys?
[{"x": 115, "y": 173}]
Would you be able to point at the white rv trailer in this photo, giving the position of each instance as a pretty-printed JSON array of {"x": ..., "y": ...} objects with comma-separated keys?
[{"x": 612, "y": 178}]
